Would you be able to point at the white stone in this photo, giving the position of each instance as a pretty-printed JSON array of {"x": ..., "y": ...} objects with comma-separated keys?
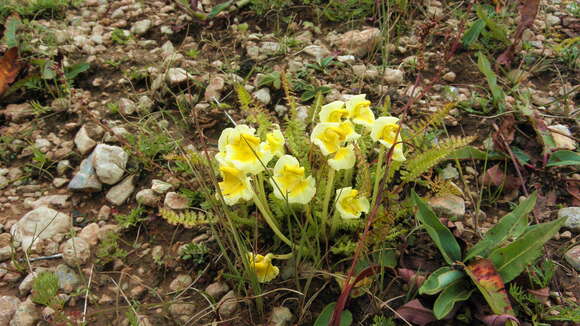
[
  {"x": 141, "y": 27},
  {"x": 160, "y": 186},
  {"x": 121, "y": 192},
  {"x": 572, "y": 215},
  {"x": 317, "y": 51},
  {"x": 83, "y": 142},
  {"x": 176, "y": 76},
  {"x": 562, "y": 142},
  {"x": 109, "y": 163},
  {"x": 263, "y": 95},
  {"x": 147, "y": 197},
  {"x": 90, "y": 234},
  {"x": 393, "y": 76},
  {"x": 8, "y": 305},
  {"x": 75, "y": 251},
  {"x": 174, "y": 200},
  {"x": 39, "y": 224}
]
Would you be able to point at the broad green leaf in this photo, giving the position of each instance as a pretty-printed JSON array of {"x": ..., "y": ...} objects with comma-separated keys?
[
  {"x": 440, "y": 279},
  {"x": 386, "y": 258},
  {"x": 491, "y": 285},
  {"x": 219, "y": 8},
  {"x": 511, "y": 260},
  {"x": 473, "y": 32},
  {"x": 522, "y": 156},
  {"x": 472, "y": 153},
  {"x": 326, "y": 314},
  {"x": 458, "y": 291},
  {"x": 496, "y": 91},
  {"x": 443, "y": 238},
  {"x": 77, "y": 69},
  {"x": 497, "y": 31},
  {"x": 511, "y": 225},
  {"x": 10, "y": 34},
  {"x": 562, "y": 158}
]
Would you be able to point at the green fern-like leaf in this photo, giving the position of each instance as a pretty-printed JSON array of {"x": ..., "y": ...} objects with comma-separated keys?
[
  {"x": 257, "y": 114},
  {"x": 435, "y": 119},
  {"x": 424, "y": 161},
  {"x": 244, "y": 97},
  {"x": 187, "y": 219},
  {"x": 344, "y": 246}
]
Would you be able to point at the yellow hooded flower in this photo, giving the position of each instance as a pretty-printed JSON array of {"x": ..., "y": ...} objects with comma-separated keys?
[
  {"x": 330, "y": 136},
  {"x": 359, "y": 110},
  {"x": 349, "y": 204},
  {"x": 343, "y": 159},
  {"x": 274, "y": 143},
  {"x": 241, "y": 148},
  {"x": 235, "y": 185},
  {"x": 385, "y": 130},
  {"x": 333, "y": 112},
  {"x": 290, "y": 183},
  {"x": 262, "y": 266}
]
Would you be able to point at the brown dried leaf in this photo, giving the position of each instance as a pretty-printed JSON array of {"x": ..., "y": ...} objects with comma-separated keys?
[
  {"x": 505, "y": 134},
  {"x": 10, "y": 67},
  {"x": 528, "y": 12},
  {"x": 495, "y": 176},
  {"x": 414, "y": 312}
]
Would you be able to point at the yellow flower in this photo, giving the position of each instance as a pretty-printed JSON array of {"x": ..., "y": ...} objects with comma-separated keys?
[
  {"x": 274, "y": 143},
  {"x": 359, "y": 110},
  {"x": 349, "y": 204},
  {"x": 343, "y": 159},
  {"x": 330, "y": 136},
  {"x": 290, "y": 183},
  {"x": 385, "y": 130},
  {"x": 262, "y": 266},
  {"x": 235, "y": 185},
  {"x": 333, "y": 112},
  {"x": 241, "y": 148}
]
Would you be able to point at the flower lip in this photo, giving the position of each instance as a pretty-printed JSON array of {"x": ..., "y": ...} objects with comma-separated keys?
[
  {"x": 262, "y": 266},
  {"x": 289, "y": 181},
  {"x": 350, "y": 204},
  {"x": 235, "y": 185},
  {"x": 359, "y": 110},
  {"x": 386, "y": 130},
  {"x": 343, "y": 159},
  {"x": 333, "y": 112},
  {"x": 241, "y": 148},
  {"x": 329, "y": 136}
]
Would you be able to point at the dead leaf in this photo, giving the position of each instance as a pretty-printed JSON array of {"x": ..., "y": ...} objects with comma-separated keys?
[
  {"x": 505, "y": 134},
  {"x": 541, "y": 294},
  {"x": 489, "y": 282},
  {"x": 414, "y": 312},
  {"x": 528, "y": 12},
  {"x": 498, "y": 320},
  {"x": 411, "y": 277},
  {"x": 9, "y": 68},
  {"x": 495, "y": 176}
]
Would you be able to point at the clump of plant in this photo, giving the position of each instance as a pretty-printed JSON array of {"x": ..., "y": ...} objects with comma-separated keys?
[
  {"x": 45, "y": 289},
  {"x": 504, "y": 253}
]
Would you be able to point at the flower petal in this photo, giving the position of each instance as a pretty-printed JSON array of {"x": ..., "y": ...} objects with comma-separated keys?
[
  {"x": 333, "y": 112},
  {"x": 343, "y": 159}
]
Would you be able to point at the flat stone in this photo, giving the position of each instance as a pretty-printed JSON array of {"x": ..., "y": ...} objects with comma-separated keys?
[
  {"x": 160, "y": 186},
  {"x": 18, "y": 112},
  {"x": 176, "y": 76},
  {"x": 563, "y": 142},
  {"x": 147, "y": 197},
  {"x": 121, "y": 192},
  {"x": 75, "y": 251},
  {"x": 8, "y": 306},
  {"x": 263, "y": 95},
  {"x": 39, "y": 224},
  {"x": 109, "y": 162},
  {"x": 141, "y": 27},
  {"x": 59, "y": 182},
  {"x": 448, "y": 205},
  {"x": 359, "y": 43},
  {"x": 215, "y": 87},
  {"x": 126, "y": 106},
  {"x": 86, "y": 179},
  {"x": 68, "y": 280},
  {"x": 393, "y": 76},
  {"x": 181, "y": 282},
  {"x": 450, "y": 76},
  {"x": 83, "y": 141},
  {"x": 217, "y": 290},
  {"x": 572, "y": 256},
  {"x": 572, "y": 215},
  {"x": 25, "y": 315},
  {"x": 281, "y": 316},
  {"x": 174, "y": 200},
  {"x": 51, "y": 200},
  {"x": 317, "y": 51},
  {"x": 229, "y": 305},
  {"x": 90, "y": 234}
]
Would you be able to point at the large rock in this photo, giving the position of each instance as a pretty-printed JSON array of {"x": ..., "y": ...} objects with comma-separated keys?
[
  {"x": 572, "y": 256},
  {"x": 8, "y": 306},
  {"x": 68, "y": 280},
  {"x": 86, "y": 179},
  {"x": 26, "y": 314},
  {"x": 83, "y": 141},
  {"x": 26, "y": 284},
  {"x": 90, "y": 234},
  {"x": 174, "y": 200},
  {"x": 119, "y": 193},
  {"x": 18, "y": 112},
  {"x": 75, "y": 251},
  {"x": 359, "y": 43},
  {"x": 448, "y": 205},
  {"x": 109, "y": 162},
  {"x": 39, "y": 224},
  {"x": 572, "y": 215}
]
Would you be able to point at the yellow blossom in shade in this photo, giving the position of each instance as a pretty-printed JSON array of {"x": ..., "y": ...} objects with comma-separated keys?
[
  {"x": 349, "y": 204},
  {"x": 262, "y": 266},
  {"x": 343, "y": 159},
  {"x": 241, "y": 148},
  {"x": 330, "y": 136},
  {"x": 333, "y": 112},
  {"x": 235, "y": 185},
  {"x": 385, "y": 130},
  {"x": 289, "y": 181},
  {"x": 359, "y": 110},
  {"x": 274, "y": 143}
]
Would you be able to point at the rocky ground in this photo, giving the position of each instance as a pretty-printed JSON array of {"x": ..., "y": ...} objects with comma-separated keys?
[{"x": 84, "y": 161}]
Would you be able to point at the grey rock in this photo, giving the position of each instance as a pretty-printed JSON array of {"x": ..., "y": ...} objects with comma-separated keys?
[
  {"x": 5, "y": 253},
  {"x": 83, "y": 141},
  {"x": 86, "y": 179},
  {"x": 126, "y": 106},
  {"x": 317, "y": 51},
  {"x": 281, "y": 316},
  {"x": 450, "y": 76},
  {"x": 217, "y": 290},
  {"x": 63, "y": 166},
  {"x": 350, "y": 59},
  {"x": 90, "y": 234},
  {"x": 572, "y": 215},
  {"x": 572, "y": 256},
  {"x": 270, "y": 48},
  {"x": 75, "y": 251},
  {"x": 450, "y": 172},
  {"x": 18, "y": 112},
  {"x": 215, "y": 87},
  {"x": 359, "y": 43},
  {"x": 181, "y": 282},
  {"x": 174, "y": 200},
  {"x": 50, "y": 200},
  {"x": 26, "y": 284},
  {"x": 182, "y": 311},
  {"x": 229, "y": 305},
  {"x": 121, "y": 192},
  {"x": 109, "y": 162},
  {"x": 157, "y": 253},
  {"x": 8, "y": 306},
  {"x": 40, "y": 223},
  {"x": 68, "y": 280},
  {"x": 137, "y": 292},
  {"x": 145, "y": 104},
  {"x": 160, "y": 186},
  {"x": 3, "y": 182},
  {"x": 59, "y": 182},
  {"x": 176, "y": 76},
  {"x": 263, "y": 95},
  {"x": 393, "y": 76},
  {"x": 448, "y": 205},
  {"x": 141, "y": 27},
  {"x": 147, "y": 197},
  {"x": 25, "y": 315},
  {"x": 563, "y": 137},
  {"x": 552, "y": 20}
]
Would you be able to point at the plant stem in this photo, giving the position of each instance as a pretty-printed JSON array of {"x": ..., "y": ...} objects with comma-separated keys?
[
  {"x": 283, "y": 257},
  {"x": 329, "y": 187},
  {"x": 271, "y": 222},
  {"x": 335, "y": 220},
  {"x": 378, "y": 173}
]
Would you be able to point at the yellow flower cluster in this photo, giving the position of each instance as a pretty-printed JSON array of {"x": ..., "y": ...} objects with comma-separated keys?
[{"x": 243, "y": 154}]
